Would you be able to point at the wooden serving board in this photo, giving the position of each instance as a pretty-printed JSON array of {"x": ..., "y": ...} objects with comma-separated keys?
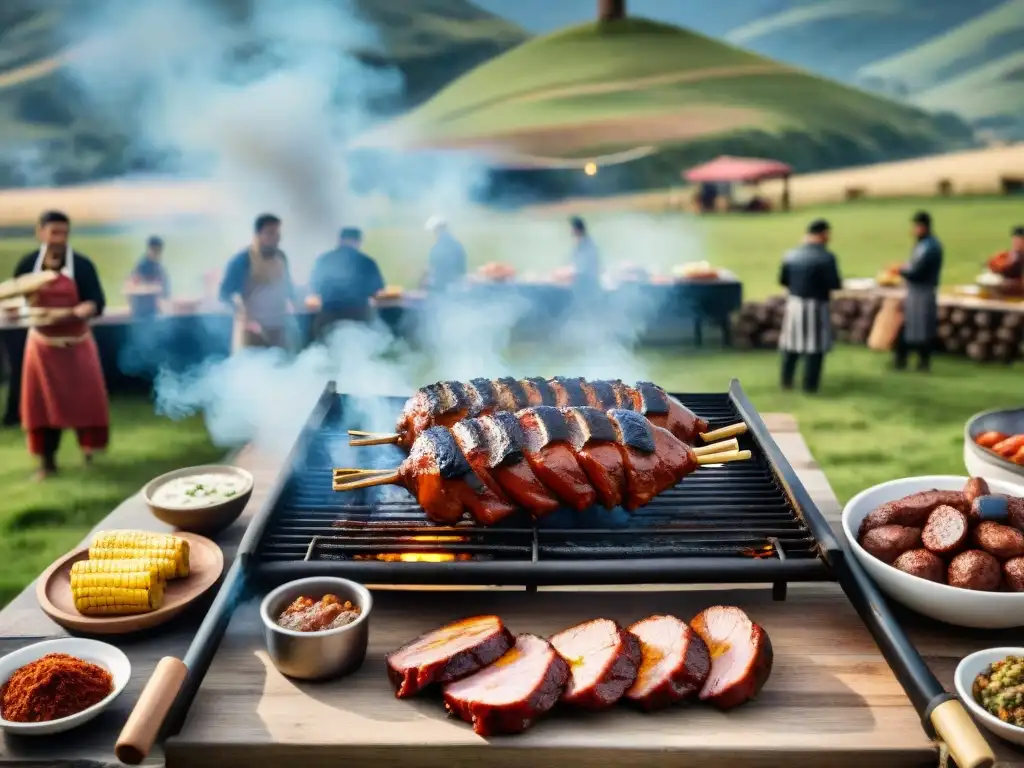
[
  {"x": 831, "y": 699},
  {"x": 53, "y": 590}
]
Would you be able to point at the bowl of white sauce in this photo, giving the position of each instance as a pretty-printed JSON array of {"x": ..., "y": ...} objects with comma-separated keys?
[{"x": 205, "y": 499}]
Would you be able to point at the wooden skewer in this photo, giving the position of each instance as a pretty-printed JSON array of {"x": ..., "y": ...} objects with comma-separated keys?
[
  {"x": 359, "y": 437},
  {"x": 722, "y": 447},
  {"x": 739, "y": 428},
  {"x": 354, "y": 479},
  {"x": 723, "y": 458}
]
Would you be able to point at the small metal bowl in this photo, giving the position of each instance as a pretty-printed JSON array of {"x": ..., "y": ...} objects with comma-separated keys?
[
  {"x": 981, "y": 462},
  {"x": 317, "y": 655}
]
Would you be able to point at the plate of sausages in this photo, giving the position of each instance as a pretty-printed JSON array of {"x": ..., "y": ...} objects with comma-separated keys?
[{"x": 948, "y": 547}]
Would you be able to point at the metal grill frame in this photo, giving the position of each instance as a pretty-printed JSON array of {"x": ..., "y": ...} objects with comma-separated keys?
[{"x": 777, "y": 571}]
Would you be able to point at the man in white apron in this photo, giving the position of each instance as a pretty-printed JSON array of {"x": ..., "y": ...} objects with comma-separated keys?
[
  {"x": 921, "y": 307},
  {"x": 809, "y": 273},
  {"x": 258, "y": 284}
]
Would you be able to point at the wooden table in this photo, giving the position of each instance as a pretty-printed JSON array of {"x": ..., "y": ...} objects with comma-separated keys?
[{"x": 831, "y": 700}]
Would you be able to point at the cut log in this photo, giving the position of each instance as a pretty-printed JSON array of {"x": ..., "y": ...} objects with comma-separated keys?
[
  {"x": 983, "y": 337},
  {"x": 959, "y": 316},
  {"x": 947, "y": 331},
  {"x": 979, "y": 352},
  {"x": 983, "y": 319},
  {"x": 1008, "y": 335},
  {"x": 1004, "y": 352}
]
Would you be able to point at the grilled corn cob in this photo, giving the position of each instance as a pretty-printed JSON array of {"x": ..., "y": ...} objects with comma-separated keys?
[
  {"x": 169, "y": 551},
  {"x": 116, "y": 587}
]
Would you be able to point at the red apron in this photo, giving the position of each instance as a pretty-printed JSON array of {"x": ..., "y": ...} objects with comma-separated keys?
[{"x": 62, "y": 384}]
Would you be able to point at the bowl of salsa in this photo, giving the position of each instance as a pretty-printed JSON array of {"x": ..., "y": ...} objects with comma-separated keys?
[{"x": 317, "y": 628}]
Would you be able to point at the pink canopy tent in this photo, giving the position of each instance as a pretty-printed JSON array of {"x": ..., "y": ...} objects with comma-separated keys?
[{"x": 742, "y": 170}]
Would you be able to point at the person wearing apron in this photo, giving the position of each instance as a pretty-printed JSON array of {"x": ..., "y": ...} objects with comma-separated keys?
[
  {"x": 62, "y": 384},
  {"x": 258, "y": 284},
  {"x": 342, "y": 284},
  {"x": 920, "y": 308},
  {"x": 809, "y": 273}
]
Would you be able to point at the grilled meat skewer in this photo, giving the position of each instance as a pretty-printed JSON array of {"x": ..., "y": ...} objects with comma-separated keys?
[
  {"x": 538, "y": 459},
  {"x": 448, "y": 402}
]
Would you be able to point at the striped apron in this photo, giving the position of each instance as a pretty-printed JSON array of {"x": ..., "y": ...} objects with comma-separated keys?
[
  {"x": 920, "y": 314},
  {"x": 806, "y": 327}
]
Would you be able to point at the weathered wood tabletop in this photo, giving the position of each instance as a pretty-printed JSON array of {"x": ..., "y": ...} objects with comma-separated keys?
[{"x": 831, "y": 700}]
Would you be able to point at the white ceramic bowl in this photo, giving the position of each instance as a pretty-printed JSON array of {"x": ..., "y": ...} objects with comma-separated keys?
[
  {"x": 968, "y": 669},
  {"x": 962, "y": 607},
  {"x": 107, "y": 656},
  {"x": 981, "y": 462}
]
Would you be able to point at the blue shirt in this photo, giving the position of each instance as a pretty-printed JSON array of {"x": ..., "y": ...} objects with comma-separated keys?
[
  {"x": 447, "y": 263},
  {"x": 345, "y": 279},
  {"x": 149, "y": 271},
  {"x": 236, "y": 275}
]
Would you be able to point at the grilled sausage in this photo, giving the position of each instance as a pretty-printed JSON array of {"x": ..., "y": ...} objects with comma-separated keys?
[
  {"x": 989, "y": 439},
  {"x": 946, "y": 531},
  {"x": 975, "y": 570},
  {"x": 603, "y": 662},
  {"x": 975, "y": 487},
  {"x": 923, "y": 564},
  {"x": 913, "y": 510},
  {"x": 675, "y": 663},
  {"x": 741, "y": 656},
  {"x": 448, "y": 653},
  {"x": 509, "y": 695},
  {"x": 1002, "y": 541},
  {"x": 1013, "y": 572},
  {"x": 890, "y": 541}
]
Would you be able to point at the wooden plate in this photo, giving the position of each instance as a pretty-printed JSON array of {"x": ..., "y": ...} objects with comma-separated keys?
[
  {"x": 26, "y": 285},
  {"x": 53, "y": 591}
]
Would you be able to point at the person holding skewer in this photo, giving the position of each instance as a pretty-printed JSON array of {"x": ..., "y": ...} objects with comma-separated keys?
[
  {"x": 258, "y": 285},
  {"x": 810, "y": 273},
  {"x": 62, "y": 384}
]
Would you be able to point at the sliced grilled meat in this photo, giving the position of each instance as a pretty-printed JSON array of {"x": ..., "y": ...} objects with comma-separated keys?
[
  {"x": 448, "y": 653},
  {"x": 490, "y": 466},
  {"x": 593, "y": 439},
  {"x": 550, "y": 455},
  {"x": 675, "y": 663},
  {"x": 444, "y": 483},
  {"x": 603, "y": 662},
  {"x": 446, "y": 402},
  {"x": 510, "y": 694},
  {"x": 741, "y": 656}
]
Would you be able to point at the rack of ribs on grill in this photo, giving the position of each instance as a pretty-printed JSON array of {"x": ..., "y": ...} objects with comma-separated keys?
[
  {"x": 539, "y": 459},
  {"x": 447, "y": 402}
]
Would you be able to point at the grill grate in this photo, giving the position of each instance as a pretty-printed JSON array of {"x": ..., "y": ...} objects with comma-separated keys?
[{"x": 734, "y": 514}]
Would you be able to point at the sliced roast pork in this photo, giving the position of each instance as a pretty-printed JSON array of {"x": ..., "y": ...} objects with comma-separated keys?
[
  {"x": 448, "y": 653},
  {"x": 510, "y": 694},
  {"x": 603, "y": 662},
  {"x": 675, "y": 663},
  {"x": 741, "y": 655}
]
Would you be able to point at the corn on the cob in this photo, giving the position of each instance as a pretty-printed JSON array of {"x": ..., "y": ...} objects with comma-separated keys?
[
  {"x": 112, "y": 587},
  {"x": 126, "y": 545}
]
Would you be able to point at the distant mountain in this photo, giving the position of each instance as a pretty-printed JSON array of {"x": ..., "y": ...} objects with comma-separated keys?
[{"x": 46, "y": 121}]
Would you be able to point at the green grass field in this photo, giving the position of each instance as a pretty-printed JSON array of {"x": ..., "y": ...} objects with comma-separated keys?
[
  {"x": 40, "y": 521},
  {"x": 867, "y": 236}
]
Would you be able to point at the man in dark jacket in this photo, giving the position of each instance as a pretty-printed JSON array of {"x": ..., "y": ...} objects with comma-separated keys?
[
  {"x": 342, "y": 284},
  {"x": 446, "y": 265},
  {"x": 809, "y": 273},
  {"x": 920, "y": 309}
]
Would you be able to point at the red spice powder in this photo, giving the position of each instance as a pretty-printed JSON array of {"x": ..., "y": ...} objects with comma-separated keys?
[{"x": 55, "y": 686}]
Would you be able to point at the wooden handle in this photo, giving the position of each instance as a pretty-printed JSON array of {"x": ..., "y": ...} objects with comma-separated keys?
[
  {"x": 966, "y": 745},
  {"x": 146, "y": 720}
]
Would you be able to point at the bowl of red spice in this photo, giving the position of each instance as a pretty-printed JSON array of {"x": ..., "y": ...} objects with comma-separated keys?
[{"x": 57, "y": 685}]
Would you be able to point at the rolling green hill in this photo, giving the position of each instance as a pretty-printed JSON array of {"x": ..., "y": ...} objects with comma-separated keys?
[
  {"x": 597, "y": 89},
  {"x": 976, "y": 68},
  {"x": 52, "y": 134}
]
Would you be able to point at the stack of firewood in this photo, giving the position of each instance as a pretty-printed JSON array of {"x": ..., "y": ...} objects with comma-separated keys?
[{"x": 981, "y": 334}]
